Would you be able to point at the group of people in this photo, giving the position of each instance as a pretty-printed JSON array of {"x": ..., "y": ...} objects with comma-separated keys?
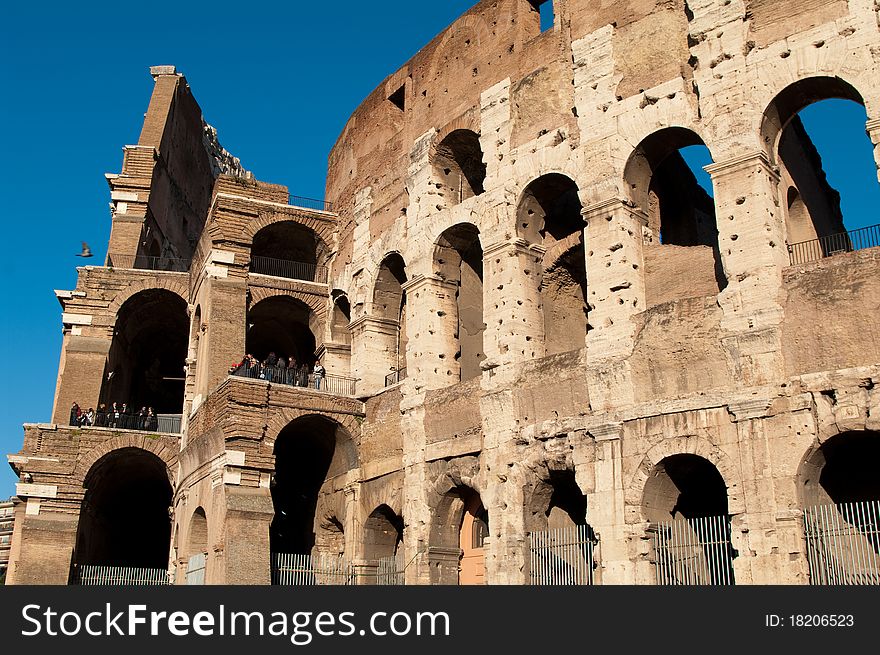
[
  {"x": 119, "y": 415},
  {"x": 280, "y": 370}
]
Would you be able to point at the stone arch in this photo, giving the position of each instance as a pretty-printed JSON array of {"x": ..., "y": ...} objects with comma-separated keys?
[
  {"x": 693, "y": 445},
  {"x": 125, "y": 512},
  {"x": 165, "y": 448},
  {"x": 789, "y": 94},
  {"x": 179, "y": 287},
  {"x": 840, "y": 469},
  {"x": 282, "y": 418},
  {"x": 197, "y": 533},
  {"x": 321, "y": 226},
  {"x": 383, "y": 533},
  {"x": 317, "y": 304},
  {"x": 310, "y": 455}
]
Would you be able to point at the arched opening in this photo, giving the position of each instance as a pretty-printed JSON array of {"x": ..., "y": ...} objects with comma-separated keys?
[
  {"x": 840, "y": 492},
  {"x": 685, "y": 500},
  {"x": 145, "y": 365},
  {"x": 814, "y": 131},
  {"x": 549, "y": 214},
  {"x": 290, "y": 250},
  {"x": 309, "y": 453},
  {"x": 124, "y": 517},
  {"x": 561, "y": 541},
  {"x": 458, "y": 258},
  {"x": 383, "y": 534},
  {"x": 339, "y": 330},
  {"x": 389, "y": 304},
  {"x": 677, "y": 200},
  {"x": 281, "y": 325},
  {"x": 198, "y": 533},
  {"x": 459, "y": 169},
  {"x": 460, "y": 522}
]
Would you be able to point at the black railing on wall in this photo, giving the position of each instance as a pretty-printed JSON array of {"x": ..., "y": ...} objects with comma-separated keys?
[
  {"x": 289, "y": 269},
  {"x": 834, "y": 244},
  {"x": 145, "y": 263},
  {"x": 395, "y": 376},
  {"x": 335, "y": 384},
  {"x": 310, "y": 203}
]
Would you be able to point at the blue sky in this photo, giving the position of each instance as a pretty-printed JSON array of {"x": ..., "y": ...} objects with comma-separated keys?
[{"x": 277, "y": 80}]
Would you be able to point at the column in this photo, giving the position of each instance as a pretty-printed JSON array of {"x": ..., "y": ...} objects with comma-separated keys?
[
  {"x": 373, "y": 352},
  {"x": 512, "y": 302},
  {"x": 432, "y": 325}
]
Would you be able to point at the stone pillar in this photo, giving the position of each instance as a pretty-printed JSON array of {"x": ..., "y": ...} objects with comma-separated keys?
[
  {"x": 374, "y": 352},
  {"x": 336, "y": 358},
  {"x": 443, "y": 564},
  {"x": 44, "y": 543},
  {"x": 352, "y": 525},
  {"x": 751, "y": 237},
  {"x": 512, "y": 303},
  {"x": 432, "y": 325},
  {"x": 615, "y": 277},
  {"x": 246, "y": 555},
  {"x": 81, "y": 373},
  {"x": 605, "y": 503}
]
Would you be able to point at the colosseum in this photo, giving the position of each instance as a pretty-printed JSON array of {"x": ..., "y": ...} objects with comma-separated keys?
[{"x": 518, "y": 343}]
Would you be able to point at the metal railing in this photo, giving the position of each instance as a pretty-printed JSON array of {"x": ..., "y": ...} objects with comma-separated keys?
[
  {"x": 289, "y": 269},
  {"x": 93, "y": 575},
  {"x": 834, "y": 244},
  {"x": 562, "y": 556},
  {"x": 335, "y": 384},
  {"x": 195, "y": 569},
  {"x": 145, "y": 263},
  {"x": 395, "y": 376},
  {"x": 324, "y": 569},
  {"x": 166, "y": 423},
  {"x": 843, "y": 542},
  {"x": 693, "y": 551},
  {"x": 310, "y": 203}
]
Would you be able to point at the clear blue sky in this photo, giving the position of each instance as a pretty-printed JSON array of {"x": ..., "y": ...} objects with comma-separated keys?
[{"x": 278, "y": 81}]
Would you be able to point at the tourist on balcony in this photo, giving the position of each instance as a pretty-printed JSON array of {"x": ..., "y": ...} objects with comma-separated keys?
[
  {"x": 101, "y": 416},
  {"x": 88, "y": 418},
  {"x": 113, "y": 418},
  {"x": 253, "y": 366},
  {"x": 319, "y": 374},
  {"x": 75, "y": 413},
  {"x": 142, "y": 418},
  {"x": 151, "y": 421},
  {"x": 291, "y": 373},
  {"x": 125, "y": 416}
]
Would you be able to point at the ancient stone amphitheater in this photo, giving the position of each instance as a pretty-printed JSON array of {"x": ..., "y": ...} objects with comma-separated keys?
[{"x": 551, "y": 356}]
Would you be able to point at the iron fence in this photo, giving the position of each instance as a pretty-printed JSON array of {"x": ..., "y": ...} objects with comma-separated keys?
[
  {"x": 94, "y": 575},
  {"x": 395, "y": 376},
  {"x": 339, "y": 385},
  {"x": 310, "y": 203},
  {"x": 843, "y": 542},
  {"x": 562, "y": 556},
  {"x": 289, "y": 269},
  {"x": 145, "y": 263},
  {"x": 693, "y": 551},
  {"x": 833, "y": 244},
  {"x": 323, "y": 569},
  {"x": 165, "y": 423}
]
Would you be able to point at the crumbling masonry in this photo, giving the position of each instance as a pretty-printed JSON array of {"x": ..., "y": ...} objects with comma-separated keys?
[{"x": 531, "y": 315}]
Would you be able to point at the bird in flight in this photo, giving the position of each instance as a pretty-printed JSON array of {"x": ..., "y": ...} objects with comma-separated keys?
[{"x": 86, "y": 251}]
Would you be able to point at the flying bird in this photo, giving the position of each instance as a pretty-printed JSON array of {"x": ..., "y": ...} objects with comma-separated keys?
[{"x": 86, "y": 251}]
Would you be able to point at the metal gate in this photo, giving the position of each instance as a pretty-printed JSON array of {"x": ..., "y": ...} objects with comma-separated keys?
[
  {"x": 390, "y": 570},
  {"x": 92, "y": 575},
  {"x": 693, "y": 551},
  {"x": 195, "y": 569},
  {"x": 843, "y": 542},
  {"x": 292, "y": 569},
  {"x": 562, "y": 556}
]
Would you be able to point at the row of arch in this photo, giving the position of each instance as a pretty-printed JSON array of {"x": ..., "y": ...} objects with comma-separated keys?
[{"x": 125, "y": 519}]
